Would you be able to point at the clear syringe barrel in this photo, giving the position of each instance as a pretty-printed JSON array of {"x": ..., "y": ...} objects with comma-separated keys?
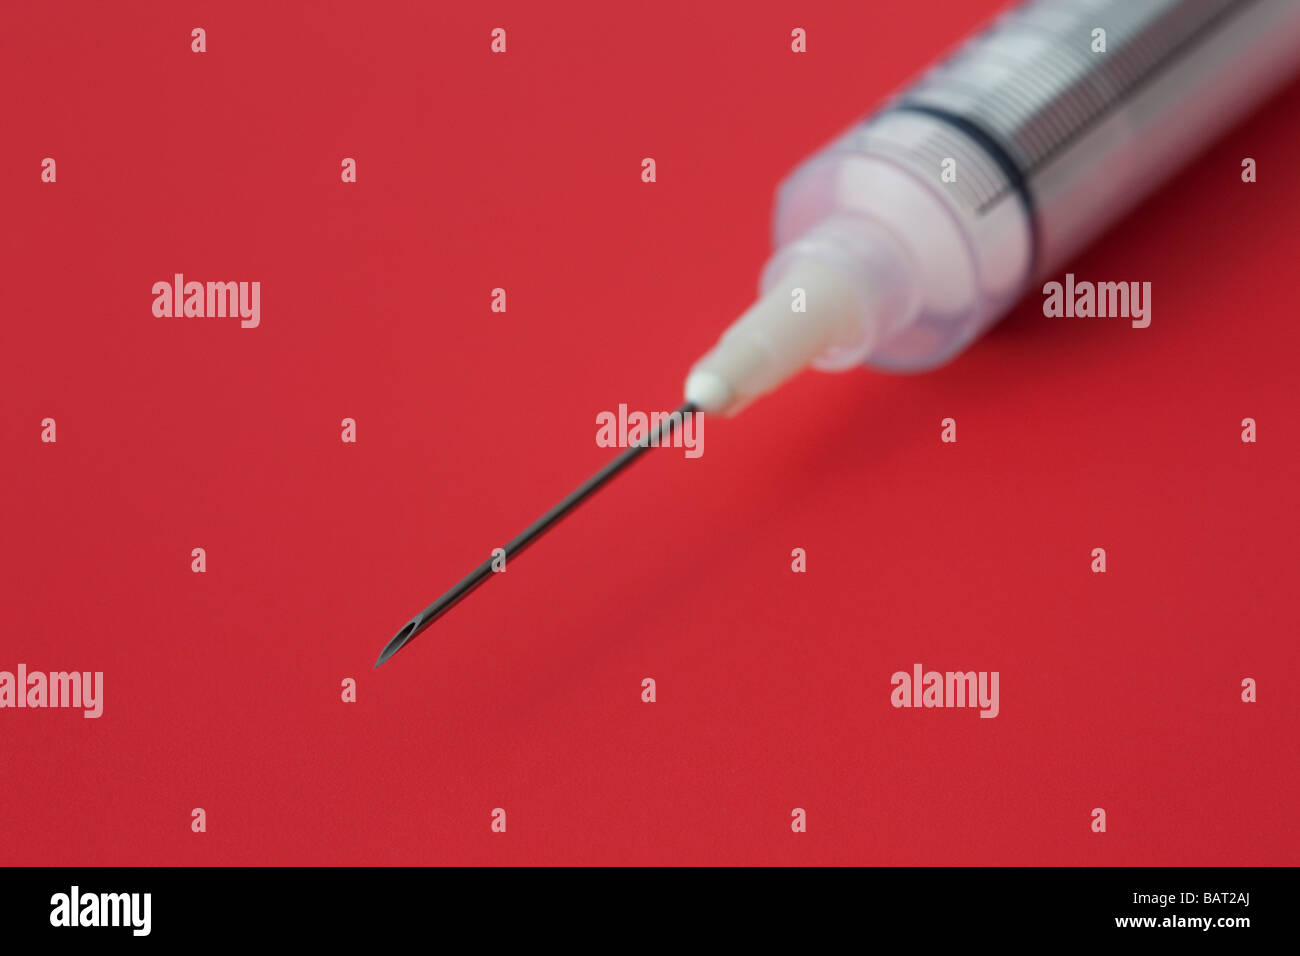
[
  {"x": 1019, "y": 148},
  {"x": 915, "y": 230}
]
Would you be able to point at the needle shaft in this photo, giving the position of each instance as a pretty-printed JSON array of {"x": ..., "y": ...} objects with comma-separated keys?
[{"x": 469, "y": 582}]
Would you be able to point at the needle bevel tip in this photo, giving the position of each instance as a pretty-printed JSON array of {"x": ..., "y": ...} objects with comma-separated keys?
[{"x": 396, "y": 644}]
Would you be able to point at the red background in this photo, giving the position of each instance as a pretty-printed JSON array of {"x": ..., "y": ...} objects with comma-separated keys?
[{"x": 222, "y": 690}]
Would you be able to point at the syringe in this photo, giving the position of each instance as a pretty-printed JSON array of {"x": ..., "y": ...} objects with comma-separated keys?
[
  {"x": 899, "y": 243},
  {"x": 1050, "y": 125}
]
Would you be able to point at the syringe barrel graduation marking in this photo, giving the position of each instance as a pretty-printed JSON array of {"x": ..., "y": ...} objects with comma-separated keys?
[{"x": 1054, "y": 137}]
